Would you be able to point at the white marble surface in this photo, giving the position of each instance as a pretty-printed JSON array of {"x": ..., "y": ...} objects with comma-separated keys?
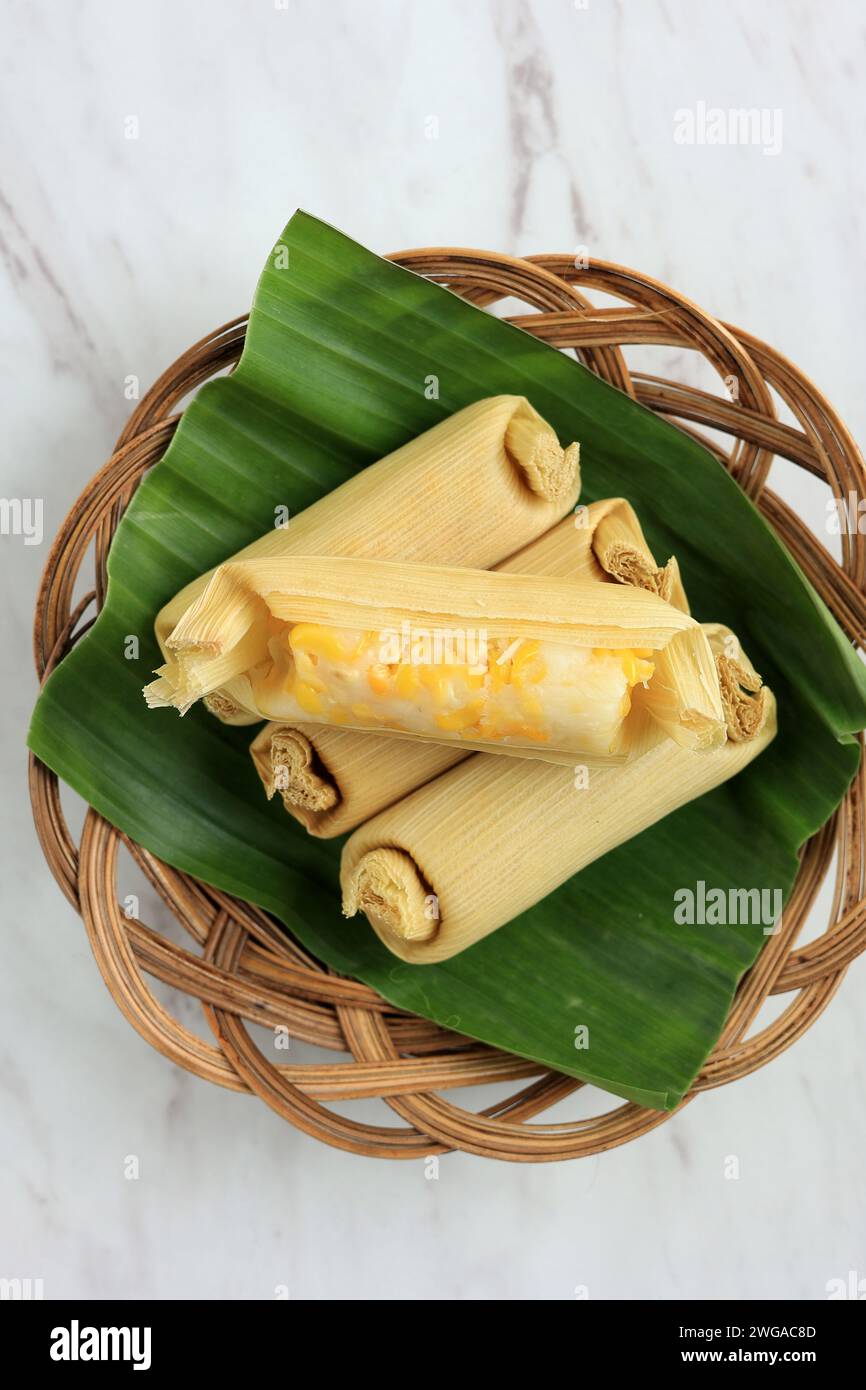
[{"x": 555, "y": 130}]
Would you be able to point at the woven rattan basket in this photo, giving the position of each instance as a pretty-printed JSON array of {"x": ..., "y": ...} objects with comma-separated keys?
[{"x": 246, "y": 968}]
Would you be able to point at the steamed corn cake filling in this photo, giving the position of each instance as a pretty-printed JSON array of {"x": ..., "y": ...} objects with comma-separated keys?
[{"x": 516, "y": 691}]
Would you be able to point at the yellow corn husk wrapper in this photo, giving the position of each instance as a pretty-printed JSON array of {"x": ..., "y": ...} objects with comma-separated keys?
[
  {"x": 469, "y": 491},
  {"x": 548, "y": 667},
  {"x": 468, "y": 852},
  {"x": 332, "y": 779}
]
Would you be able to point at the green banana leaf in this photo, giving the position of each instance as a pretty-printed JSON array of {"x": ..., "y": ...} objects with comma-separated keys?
[{"x": 340, "y": 346}]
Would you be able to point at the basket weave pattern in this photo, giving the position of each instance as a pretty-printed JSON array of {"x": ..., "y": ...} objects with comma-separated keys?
[{"x": 244, "y": 967}]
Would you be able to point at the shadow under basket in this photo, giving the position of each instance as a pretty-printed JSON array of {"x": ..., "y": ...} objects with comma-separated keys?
[{"x": 247, "y": 968}]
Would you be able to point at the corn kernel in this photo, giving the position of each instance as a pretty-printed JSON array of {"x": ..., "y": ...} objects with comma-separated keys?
[
  {"x": 309, "y": 699},
  {"x": 406, "y": 681},
  {"x": 321, "y": 641},
  {"x": 379, "y": 679},
  {"x": 459, "y": 718}
]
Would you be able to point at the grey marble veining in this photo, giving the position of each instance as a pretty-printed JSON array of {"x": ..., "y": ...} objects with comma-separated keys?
[{"x": 152, "y": 152}]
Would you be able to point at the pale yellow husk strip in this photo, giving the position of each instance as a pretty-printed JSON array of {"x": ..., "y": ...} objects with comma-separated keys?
[
  {"x": 470, "y": 491},
  {"x": 473, "y": 849},
  {"x": 333, "y": 779},
  {"x": 222, "y": 641}
]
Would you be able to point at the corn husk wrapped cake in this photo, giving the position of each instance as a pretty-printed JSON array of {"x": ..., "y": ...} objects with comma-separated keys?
[
  {"x": 512, "y": 663},
  {"x": 430, "y": 890},
  {"x": 558, "y": 703},
  {"x": 470, "y": 491},
  {"x": 515, "y": 663}
]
